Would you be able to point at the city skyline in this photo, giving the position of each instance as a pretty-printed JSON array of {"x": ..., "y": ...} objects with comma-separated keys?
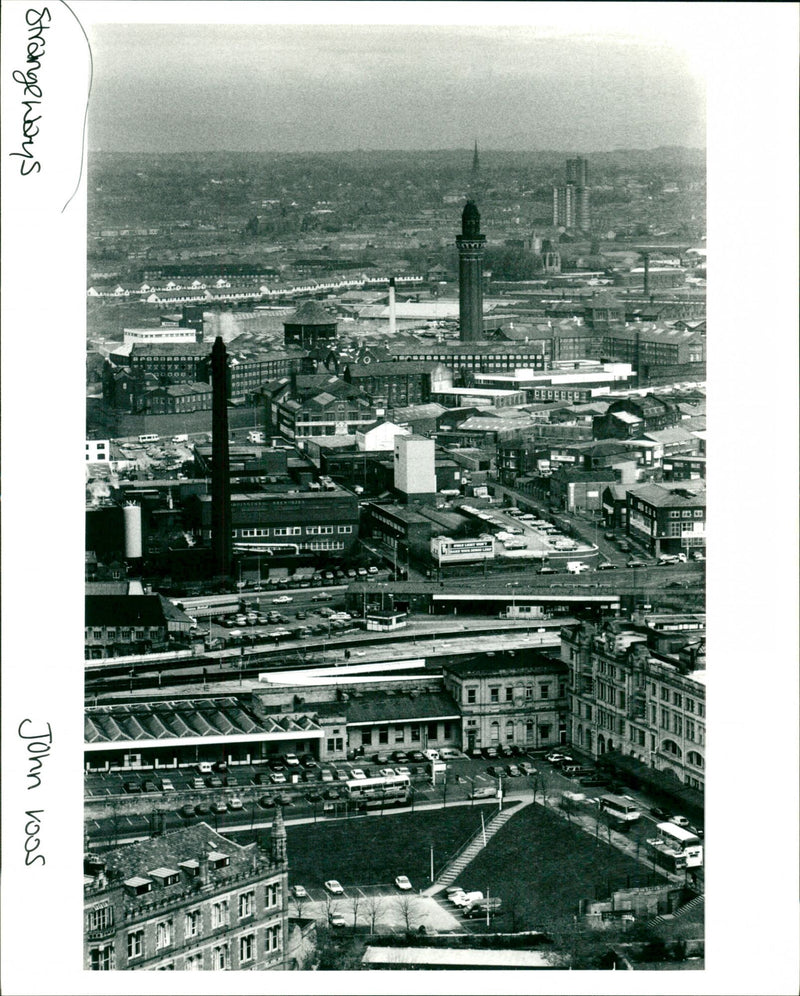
[{"x": 326, "y": 88}]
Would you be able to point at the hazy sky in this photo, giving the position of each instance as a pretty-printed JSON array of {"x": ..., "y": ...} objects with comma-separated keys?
[{"x": 185, "y": 87}]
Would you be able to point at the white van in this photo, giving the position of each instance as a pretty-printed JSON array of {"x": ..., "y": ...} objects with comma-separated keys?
[
  {"x": 577, "y": 567},
  {"x": 183, "y": 438},
  {"x": 432, "y": 755}
]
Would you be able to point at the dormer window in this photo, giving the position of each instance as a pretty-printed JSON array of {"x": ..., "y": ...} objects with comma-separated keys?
[
  {"x": 217, "y": 860},
  {"x": 165, "y": 876},
  {"x": 138, "y": 886}
]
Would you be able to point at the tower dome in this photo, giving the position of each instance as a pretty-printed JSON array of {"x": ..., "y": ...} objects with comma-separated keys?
[{"x": 470, "y": 220}]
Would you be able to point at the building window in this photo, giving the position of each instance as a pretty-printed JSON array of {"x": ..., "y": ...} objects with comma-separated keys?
[
  {"x": 665, "y": 719},
  {"x": 433, "y": 731},
  {"x": 665, "y": 694},
  {"x": 102, "y": 959},
  {"x": 366, "y": 738},
  {"x": 247, "y": 948},
  {"x": 694, "y": 758},
  {"x": 471, "y": 696},
  {"x": 690, "y": 729},
  {"x": 448, "y": 730},
  {"x": 416, "y": 734},
  {"x": 246, "y": 904},
  {"x": 344, "y": 529},
  {"x": 100, "y": 918},
  {"x": 676, "y": 699},
  {"x": 192, "y": 923},
  {"x": 400, "y": 734},
  {"x": 544, "y": 691},
  {"x": 163, "y": 934},
  {"x": 509, "y": 694},
  {"x": 220, "y": 960},
  {"x": 677, "y": 725},
  {"x": 135, "y": 944},
  {"x": 544, "y": 732},
  {"x": 495, "y": 732},
  {"x": 272, "y": 938},
  {"x": 383, "y": 735},
  {"x": 494, "y": 694},
  {"x": 562, "y": 689},
  {"x": 193, "y": 963},
  {"x": 272, "y": 895},
  {"x": 529, "y": 731},
  {"x": 689, "y": 705},
  {"x": 220, "y": 914}
]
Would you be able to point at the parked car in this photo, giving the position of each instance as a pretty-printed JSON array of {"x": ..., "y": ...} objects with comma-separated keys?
[
  {"x": 609, "y": 535},
  {"x": 400, "y": 755},
  {"x": 386, "y": 772},
  {"x": 292, "y": 760},
  {"x": 299, "y": 892},
  {"x": 309, "y": 762},
  {"x": 313, "y": 797},
  {"x": 403, "y": 769},
  {"x": 446, "y": 754},
  {"x": 527, "y": 768},
  {"x": 513, "y": 771},
  {"x": 331, "y": 794},
  {"x": 417, "y": 756},
  {"x": 505, "y": 751},
  {"x": 322, "y": 596},
  {"x": 235, "y": 803},
  {"x": 266, "y": 802},
  {"x": 635, "y": 562},
  {"x": 658, "y": 812},
  {"x": 679, "y": 821},
  {"x": 547, "y": 570},
  {"x": 372, "y": 569},
  {"x": 327, "y": 775},
  {"x": 607, "y": 566},
  {"x": 132, "y": 787},
  {"x": 495, "y": 770},
  {"x": 198, "y": 783},
  {"x": 149, "y": 786},
  {"x": 381, "y": 757},
  {"x": 358, "y": 773},
  {"x": 282, "y": 600},
  {"x": 219, "y": 807},
  {"x": 166, "y": 785},
  {"x": 554, "y": 757},
  {"x": 489, "y": 752},
  {"x": 334, "y": 887},
  {"x": 403, "y": 883},
  {"x": 202, "y": 809},
  {"x": 484, "y": 792},
  {"x": 277, "y": 778},
  {"x": 337, "y": 920},
  {"x": 187, "y": 810}
]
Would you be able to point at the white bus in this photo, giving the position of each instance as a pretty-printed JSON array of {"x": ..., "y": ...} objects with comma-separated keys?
[
  {"x": 620, "y": 808},
  {"x": 149, "y": 437},
  {"x": 381, "y": 790},
  {"x": 682, "y": 841}
]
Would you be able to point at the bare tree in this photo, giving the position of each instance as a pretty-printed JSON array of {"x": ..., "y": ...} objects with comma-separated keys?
[
  {"x": 331, "y": 907},
  {"x": 375, "y": 906},
  {"x": 300, "y": 903},
  {"x": 406, "y": 907},
  {"x": 355, "y": 901}
]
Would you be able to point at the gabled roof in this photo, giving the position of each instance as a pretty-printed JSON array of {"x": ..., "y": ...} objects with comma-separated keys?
[{"x": 311, "y": 313}]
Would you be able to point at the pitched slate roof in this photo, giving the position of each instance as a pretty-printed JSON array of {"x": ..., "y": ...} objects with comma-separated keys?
[
  {"x": 311, "y": 313},
  {"x": 378, "y": 707}
]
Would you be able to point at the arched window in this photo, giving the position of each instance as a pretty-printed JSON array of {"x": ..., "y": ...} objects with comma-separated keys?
[
  {"x": 696, "y": 759},
  {"x": 495, "y": 731},
  {"x": 601, "y": 744},
  {"x": 670, "y": 747},
  {"x": 529, "y": 732},
  {"x": 510, "y": 732}
]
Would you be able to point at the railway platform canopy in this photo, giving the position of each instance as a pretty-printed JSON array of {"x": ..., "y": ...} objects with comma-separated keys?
[{"x": 172, "y": 733}]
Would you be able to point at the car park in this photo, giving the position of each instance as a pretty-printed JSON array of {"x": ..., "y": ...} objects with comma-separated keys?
[
  {"x": 334, "y": 887},
  {"x": 402, "y": 883}
]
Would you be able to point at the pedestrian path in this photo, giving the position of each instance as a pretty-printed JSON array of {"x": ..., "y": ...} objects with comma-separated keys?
[{"x": 471, "y": 851}]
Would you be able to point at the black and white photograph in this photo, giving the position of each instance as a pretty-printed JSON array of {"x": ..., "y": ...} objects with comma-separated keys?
[{"x": 425, "y": 586}]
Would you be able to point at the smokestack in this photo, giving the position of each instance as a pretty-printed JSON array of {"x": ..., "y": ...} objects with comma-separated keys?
[
  {"x": 646, "y": 274},
  {"x": 392, "y": 308},
  {"x": 221, "y": 539}
]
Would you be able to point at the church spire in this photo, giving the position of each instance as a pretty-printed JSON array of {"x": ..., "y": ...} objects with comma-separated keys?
[{"x": 475, "y": 163}]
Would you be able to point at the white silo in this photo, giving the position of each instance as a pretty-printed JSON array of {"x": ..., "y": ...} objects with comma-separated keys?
[{"x": 133, "y": 530}]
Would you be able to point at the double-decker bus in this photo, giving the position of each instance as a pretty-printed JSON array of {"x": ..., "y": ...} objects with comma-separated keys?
[
  {"x": 380, "y": 791},
  {"x": 620, "y": 808},
  {"x": 676, "y": 847}
]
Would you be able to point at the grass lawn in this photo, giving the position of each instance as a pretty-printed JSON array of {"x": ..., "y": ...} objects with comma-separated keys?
[
  {"x": 375, "y": 849},
  {"x": 541, "y": 866}
]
